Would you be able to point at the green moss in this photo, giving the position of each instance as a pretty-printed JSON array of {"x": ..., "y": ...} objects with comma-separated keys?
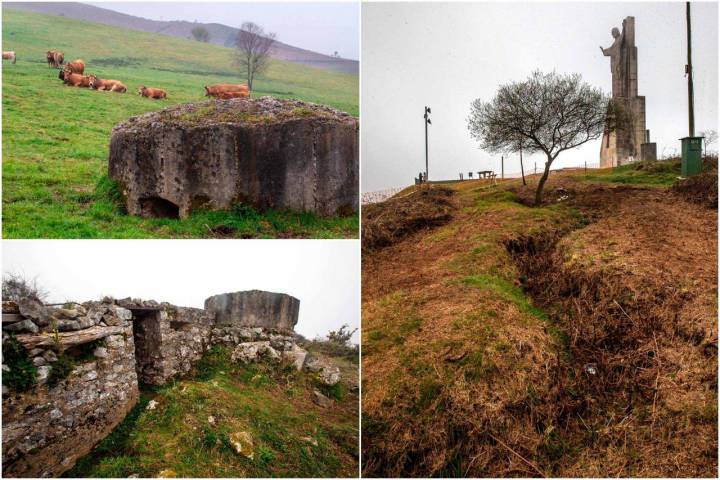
[
  {"x": 22, "y": 374},
  {"x": 506, "y": 290},
  {"x": 337, "y": 391}
]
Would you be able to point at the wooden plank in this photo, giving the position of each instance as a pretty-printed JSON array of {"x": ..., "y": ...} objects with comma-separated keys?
[
  {"x": 68, "y": 339},
  {"x": 11, "y": 318}
]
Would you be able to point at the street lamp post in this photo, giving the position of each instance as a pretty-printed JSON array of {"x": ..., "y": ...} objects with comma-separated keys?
[{"x": 427, "y": 122}]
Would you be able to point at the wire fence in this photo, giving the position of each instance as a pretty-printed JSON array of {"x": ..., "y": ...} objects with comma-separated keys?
[{"x": 378, "y": 196}]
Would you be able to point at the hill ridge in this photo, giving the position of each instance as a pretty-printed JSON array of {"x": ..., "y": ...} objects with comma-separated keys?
[{"x": 220, "y": 34}]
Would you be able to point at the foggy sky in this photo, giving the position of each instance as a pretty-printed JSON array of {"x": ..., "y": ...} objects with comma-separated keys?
[
  {"x": 323, "y": 274},
  {"x": 446, "y": 55},
  {"x": 323, "y": 27}
]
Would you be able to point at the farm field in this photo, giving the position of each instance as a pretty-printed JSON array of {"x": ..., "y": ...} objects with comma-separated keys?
[
  {"x": 575, "y": 339},
  {"x": 55, "y": 138}
]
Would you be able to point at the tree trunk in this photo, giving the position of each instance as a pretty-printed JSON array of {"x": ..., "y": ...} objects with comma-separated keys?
[
  {"x": 522, "y": 170},
  {"x": 541, "y": 184}
]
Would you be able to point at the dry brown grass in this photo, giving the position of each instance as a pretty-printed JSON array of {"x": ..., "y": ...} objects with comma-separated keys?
[
  {"x": 390, "y": 221},
  {"x": 701, "y": 189},
  {"x": 464, "y": 376}
]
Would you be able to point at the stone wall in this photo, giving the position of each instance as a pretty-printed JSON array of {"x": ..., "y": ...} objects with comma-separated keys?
[
  {"x": 113, "y": 347},
  {"x": 46, "y": 429}
]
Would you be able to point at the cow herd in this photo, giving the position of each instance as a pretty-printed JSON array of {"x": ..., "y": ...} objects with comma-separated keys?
[{"x": 73, "y": 74}]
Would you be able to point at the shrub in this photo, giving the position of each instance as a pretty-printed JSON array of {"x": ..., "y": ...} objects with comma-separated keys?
[
  {"x": 22, "y": 374},
  {"x": 60, "y": 369}
]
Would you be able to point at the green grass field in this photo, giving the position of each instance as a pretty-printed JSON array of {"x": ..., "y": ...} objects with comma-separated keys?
[{"x": 55, "y": 138}]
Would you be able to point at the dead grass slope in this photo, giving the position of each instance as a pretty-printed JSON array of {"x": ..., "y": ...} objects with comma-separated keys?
[{"x": 615, "y": 374}]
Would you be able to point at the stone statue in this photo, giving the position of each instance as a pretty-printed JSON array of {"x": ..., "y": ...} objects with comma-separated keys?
[
  {"x": 615, "y": 54},
  {"x": 623, "y": 144}
]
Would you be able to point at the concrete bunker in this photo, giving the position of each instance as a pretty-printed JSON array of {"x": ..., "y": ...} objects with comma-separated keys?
[
  {"x": 266, "y": 152},
  {"x": 255, "y": 308}
]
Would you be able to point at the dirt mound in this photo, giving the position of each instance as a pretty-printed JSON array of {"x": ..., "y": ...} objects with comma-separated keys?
[
  {"x": 388, "y": 222},
  {"x": 701, "y": 189}
]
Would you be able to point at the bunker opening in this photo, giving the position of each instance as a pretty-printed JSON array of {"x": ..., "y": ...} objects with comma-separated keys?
[
  {"x": 156, "y": 207},
  {"x": 147, "y": 338}
]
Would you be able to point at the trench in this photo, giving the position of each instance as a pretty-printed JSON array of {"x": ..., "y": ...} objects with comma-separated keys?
[{"x": 607, "y": 362}]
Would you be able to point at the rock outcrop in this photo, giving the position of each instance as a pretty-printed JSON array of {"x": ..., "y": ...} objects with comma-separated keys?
[{"x": 268, "y": 153}]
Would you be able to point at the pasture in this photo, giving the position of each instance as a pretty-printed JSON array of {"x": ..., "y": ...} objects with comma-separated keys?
[{"x": 55, "y": 138}]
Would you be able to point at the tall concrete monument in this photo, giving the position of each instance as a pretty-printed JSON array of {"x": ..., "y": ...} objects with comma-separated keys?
[{"x": 629, "y": 141}]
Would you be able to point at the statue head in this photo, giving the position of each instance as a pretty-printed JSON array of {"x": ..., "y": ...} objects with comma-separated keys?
[{"x": 615, "y": 32}]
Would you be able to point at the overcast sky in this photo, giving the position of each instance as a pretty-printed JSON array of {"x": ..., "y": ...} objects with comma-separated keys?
[
  {"x": 323, "y": 27},
  {"x": 323, "y": 274},
  {"x": 445, "y": 55}
]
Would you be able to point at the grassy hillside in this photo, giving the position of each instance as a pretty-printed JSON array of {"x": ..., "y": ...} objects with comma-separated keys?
[
  {"x": 55, "y": 138},
  {"x": 188, "y": 433},
  {"x": 574, "y": 339}
]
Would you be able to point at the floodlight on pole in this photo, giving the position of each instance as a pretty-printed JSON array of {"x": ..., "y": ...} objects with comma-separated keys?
[{"x": 427, "y": 122}]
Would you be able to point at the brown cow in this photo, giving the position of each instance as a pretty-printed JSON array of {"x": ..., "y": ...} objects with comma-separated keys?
[
  {"x": 76, "y": 66},
  {"x": 9, "y": 56},
  {"x": 75, "y": 79},
  {"x": 214, "y": 90},
  {"x": 156, "y": 93},
  {"x": 107, "y": 85},
  {"x": 228, "y": 95},
  {"x": 55, "y": 58}
]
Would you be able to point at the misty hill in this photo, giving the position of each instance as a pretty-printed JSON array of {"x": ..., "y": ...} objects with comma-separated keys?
[{"x": 219, "y": 34}]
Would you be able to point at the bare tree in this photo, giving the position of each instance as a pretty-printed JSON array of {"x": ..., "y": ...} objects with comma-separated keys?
[
  {"x": 253, "y": 46},
  {"x": 200, "y": 34},
  {"x": 15, "y": 287},
  {"x": 547, "y": 113},
  {"x": 710, "y": 137}
]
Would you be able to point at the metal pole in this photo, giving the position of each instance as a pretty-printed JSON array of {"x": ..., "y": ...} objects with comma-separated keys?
[
  {"x": 691, "y": 100},
  {"x": 427, "y": 120}
]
